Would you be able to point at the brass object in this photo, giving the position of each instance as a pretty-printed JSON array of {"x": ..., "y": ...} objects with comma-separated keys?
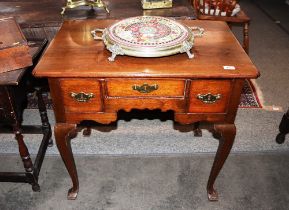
[
  {"x": 145, "y": 88},
  {"x": 156, "y": 4},
  {"x": 209, "y": 98},
  {"x": 70, "y": 4},
  {"x": 148, "y": 36},
  {"x": 81, "y": 97}
]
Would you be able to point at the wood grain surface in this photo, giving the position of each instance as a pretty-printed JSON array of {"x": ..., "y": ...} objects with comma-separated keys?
[{"x": 74, "y": 53}]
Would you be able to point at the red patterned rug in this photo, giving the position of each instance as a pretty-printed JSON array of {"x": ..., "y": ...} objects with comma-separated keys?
[{"x": 249, "y": 98}]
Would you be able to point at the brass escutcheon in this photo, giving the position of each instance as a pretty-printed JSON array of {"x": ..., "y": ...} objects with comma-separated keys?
[
  {"x": 145, "y": 88},
  {"x": 81, "y": 97},
  {"x": 209, "y": 98}
]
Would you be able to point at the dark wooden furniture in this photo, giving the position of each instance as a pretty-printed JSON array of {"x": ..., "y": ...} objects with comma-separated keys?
[
  {"x": 223, "y": 6},
  {"x": 283, "y": 128},
  {"x": 86, "y": 86},
  {"x": 14, "y": 85},
  {"x": 42, "y": 19},
  {"x": 12, "y": 45},
  {"x": 38, "y": 19}
]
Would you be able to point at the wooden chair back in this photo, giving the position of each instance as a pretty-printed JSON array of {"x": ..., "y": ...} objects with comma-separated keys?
[
  {"x": 223, "y": 10},
  {"x": 215, "y": 7}
]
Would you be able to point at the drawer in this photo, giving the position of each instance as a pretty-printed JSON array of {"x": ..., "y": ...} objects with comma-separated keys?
[
  {"x": 209, "y": 96},
  {"x": 145, "y": 88},
  {"x": 81, "y": 95}
]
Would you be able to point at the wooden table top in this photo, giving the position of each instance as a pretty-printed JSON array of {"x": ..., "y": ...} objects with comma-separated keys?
[
  {"x": 74, "y": 53},
  {"x": 13, "y": 77}
]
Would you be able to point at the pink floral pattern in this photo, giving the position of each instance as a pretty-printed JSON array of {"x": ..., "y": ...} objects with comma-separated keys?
[{"x": 148, "y": 31}]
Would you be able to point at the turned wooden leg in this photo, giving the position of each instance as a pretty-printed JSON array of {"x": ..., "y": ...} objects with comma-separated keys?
[
  {"x": 283, "y": 128},
  {"x": 63, "y": 134},
  {"x": 246, "y": 38},
  {"x": 23, "y": 151},
  {"x": 227, "y": 132},
  {"x": 25, "y": 156},
  {"x": 46, "y": 128},
  {"x": 197, "y": 130}
]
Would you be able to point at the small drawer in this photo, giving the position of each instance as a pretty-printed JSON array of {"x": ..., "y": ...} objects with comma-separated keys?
[
  {"x": 209, "y": 96},
  {"x": 145, "y": 88},
  {"x": 81, "y": 95}
]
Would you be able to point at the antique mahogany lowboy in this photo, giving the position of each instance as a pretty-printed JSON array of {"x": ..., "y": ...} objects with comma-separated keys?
[{"x": 86, "y": 86}]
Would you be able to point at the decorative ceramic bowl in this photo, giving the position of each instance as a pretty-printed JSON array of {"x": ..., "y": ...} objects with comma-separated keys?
[{"x": 148, "y": 36}]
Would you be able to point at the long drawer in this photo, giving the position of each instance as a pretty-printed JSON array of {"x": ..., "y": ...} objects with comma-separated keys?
[{"x": 145, "y": 88}]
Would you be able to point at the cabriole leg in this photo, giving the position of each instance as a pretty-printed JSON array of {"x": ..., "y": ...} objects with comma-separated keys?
[
  {"x": 227, "y": 133},
  {"x": 63, "y": 134}
]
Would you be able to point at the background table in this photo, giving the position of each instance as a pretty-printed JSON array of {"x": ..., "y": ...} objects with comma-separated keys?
[
  {"x": 14, "y": 86},
  {"x": 42, "y": 19}
]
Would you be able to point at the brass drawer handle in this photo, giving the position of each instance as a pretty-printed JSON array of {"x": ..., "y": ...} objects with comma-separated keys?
[
  {"x": 145, "y": 88},
  {"x": 209, "y": 98},
  {"x": 81, "y": 97}
]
